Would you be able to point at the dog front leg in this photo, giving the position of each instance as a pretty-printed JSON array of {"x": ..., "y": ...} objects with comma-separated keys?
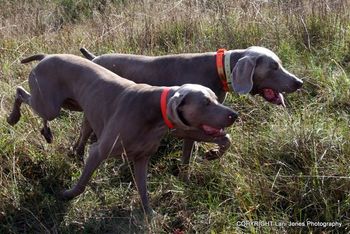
[
  {"x": 223, "y": 143},
  {"x": 93, "y": 161},
  {"x": 187, "y": 150},
  {"x": 46, "y": 131}
]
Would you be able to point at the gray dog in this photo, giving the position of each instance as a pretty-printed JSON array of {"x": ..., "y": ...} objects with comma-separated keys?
[
  {"x": 128, "y": 118},
  {"x": 255, "y": 70}
]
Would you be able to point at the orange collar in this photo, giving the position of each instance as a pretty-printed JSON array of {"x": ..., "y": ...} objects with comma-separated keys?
[
  {"x": 220, "y": 68},
  {"x": 163, "y": 107}
]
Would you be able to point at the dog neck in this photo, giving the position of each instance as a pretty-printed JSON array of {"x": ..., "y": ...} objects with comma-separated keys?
[{"x": 225, "y": 62}]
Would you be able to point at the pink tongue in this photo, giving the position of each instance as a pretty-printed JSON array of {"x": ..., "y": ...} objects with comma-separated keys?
[
  {"x": 274, "y": 97},
  {"x": 210, "y": 130},
  {"x": 269, "y": 94}
]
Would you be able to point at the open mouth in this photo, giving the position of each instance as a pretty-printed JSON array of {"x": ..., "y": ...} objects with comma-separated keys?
[
  {"x": 217, "y": 132},
  {"x": 273, "y": 96}
]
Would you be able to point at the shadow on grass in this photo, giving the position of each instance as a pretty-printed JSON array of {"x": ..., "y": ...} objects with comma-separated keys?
[
  {"x": 110, "y": 220},
  {"x": 36, "y": 208}
]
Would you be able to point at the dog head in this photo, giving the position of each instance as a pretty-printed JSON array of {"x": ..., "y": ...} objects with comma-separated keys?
[
  {"x": 260, "y": 71},
  {"x": 196, "y": 107}
]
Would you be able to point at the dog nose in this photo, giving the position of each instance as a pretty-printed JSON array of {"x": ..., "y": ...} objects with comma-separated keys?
[
  {"x": 232, "y": 117},
  {"x": 298, "y": 84}
]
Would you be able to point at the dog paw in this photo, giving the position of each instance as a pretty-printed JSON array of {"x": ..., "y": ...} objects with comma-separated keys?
[
  {"x": 13, "y": 118},
  {"x": 73, "y": 155},
  {"x": 184, "y": 173},
  {"x": 150, "y": 213},
  {"x": 46, "y": 132},
  {"x": 174, "y": 167},
  {"x": 212, "y": 154},
  {"x": 79, "y": 153},
  {"x": 65, "y": 195}
]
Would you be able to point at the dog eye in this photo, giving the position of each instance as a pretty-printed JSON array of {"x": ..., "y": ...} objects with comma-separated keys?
[
  {"x": 207, "y": 101},
  {"x": 274, "y": 66}
]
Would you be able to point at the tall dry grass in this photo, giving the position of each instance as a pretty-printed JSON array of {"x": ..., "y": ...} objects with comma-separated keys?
[{"x": 284, "y": 165}]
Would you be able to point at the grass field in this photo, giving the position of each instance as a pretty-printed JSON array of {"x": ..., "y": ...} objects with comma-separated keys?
[{"x": 285, "y": 165}]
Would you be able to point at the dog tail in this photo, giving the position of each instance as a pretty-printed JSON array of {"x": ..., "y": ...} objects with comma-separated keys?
[
  {"x": 33, "y": 57},
  {"x": 87, "y": 54}
]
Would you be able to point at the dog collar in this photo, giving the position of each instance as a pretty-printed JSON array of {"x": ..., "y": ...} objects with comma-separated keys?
[
  {"x": 223, "y": 67},
  {"x": 163, "y": 107},
  {"x": 227, "y": 63}
]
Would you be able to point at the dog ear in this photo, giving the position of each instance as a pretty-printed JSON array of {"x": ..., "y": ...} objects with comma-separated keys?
[
  {"x": 173, "y": 109},
  {"x": 242, "y": 75}
]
